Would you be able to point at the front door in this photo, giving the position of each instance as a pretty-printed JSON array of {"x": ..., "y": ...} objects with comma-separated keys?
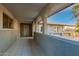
[{"x": 25, "y": 30}]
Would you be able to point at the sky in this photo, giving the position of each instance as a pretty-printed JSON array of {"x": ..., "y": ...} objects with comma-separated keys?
[{"x": 64, "y": 17}]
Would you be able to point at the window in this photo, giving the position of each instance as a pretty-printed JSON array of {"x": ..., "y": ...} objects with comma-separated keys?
[{"x": 7, "y": 21}]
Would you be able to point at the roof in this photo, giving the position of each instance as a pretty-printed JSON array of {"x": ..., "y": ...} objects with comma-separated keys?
[{"x": 60, "y": 24}]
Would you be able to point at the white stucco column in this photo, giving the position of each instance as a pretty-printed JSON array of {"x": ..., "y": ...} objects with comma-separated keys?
[
  {"x": 62, "y": 30},
  {"x": 56, "y": 29},
  {"x": 44, "y": 25},
  {"x": 35, "y": 26}
]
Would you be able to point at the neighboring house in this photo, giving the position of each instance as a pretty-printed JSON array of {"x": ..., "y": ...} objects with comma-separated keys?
[{"x": 59, "y": 29}]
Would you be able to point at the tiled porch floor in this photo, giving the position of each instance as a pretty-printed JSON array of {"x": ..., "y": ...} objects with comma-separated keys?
[{"x": 24, "y": 47}]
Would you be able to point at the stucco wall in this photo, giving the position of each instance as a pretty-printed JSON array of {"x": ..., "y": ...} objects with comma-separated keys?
[
  {"x": 57, "y": 46},
  {"x": 8, "y": 36}
]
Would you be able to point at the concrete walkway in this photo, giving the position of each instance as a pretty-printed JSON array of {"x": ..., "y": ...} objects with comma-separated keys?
[{"x": 24, "y": 47}]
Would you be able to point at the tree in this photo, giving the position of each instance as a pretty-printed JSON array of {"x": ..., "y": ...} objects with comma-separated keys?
[{"x": 75, "y": 11}]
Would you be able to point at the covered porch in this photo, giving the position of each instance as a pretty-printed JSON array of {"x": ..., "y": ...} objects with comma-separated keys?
[{"x": 19, "y": 32}]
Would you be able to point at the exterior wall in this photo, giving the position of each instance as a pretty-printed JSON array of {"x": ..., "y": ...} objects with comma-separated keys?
[
  {"x": 7, "y": 36},
  {"x": 17, "y": 28},
  {"x": 1, "y": 17},
  {"x": 57, "y": 46}
]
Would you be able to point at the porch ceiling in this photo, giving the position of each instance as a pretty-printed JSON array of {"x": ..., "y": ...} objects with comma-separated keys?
[{"x": 27, "y": 12}]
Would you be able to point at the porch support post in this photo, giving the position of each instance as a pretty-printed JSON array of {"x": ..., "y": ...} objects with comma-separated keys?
[
  {"x": 44, "y": 25},
  {"x": 36, "y": 27}
]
